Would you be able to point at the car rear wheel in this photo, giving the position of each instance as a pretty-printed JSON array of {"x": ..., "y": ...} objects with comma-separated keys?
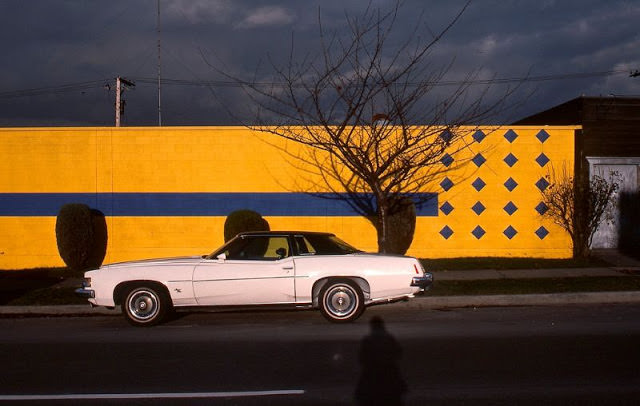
[
  {"x": 145, "y": 306},
  {"x": 341, "y": 301}
]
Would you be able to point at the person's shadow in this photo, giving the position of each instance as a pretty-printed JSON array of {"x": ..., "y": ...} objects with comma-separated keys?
[{"x": 380, "y": 381}]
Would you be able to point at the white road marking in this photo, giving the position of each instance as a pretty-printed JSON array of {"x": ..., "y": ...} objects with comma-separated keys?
[{"x": 185, "y": 395}]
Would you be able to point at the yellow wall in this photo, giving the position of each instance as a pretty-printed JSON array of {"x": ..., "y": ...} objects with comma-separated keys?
[
  {"x": 235, "y": 160},
  {"x": 494, "y": 220}
]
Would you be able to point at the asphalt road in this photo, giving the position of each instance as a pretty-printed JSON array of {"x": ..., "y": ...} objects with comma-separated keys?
[{"x": 587, "y": 354}]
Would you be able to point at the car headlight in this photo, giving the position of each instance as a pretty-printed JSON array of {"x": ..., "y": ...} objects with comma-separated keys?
[{"x": 86, "y": 282}]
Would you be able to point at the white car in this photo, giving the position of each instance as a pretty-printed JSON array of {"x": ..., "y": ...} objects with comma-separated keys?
[{"x": 300, "y": 269}]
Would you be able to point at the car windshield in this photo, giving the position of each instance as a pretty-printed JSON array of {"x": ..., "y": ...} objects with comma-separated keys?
[{"x": 255, "y": 248}]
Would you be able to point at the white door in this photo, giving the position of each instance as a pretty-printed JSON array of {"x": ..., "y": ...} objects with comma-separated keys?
[
  {"x": 253, "y": 272},
  {"x": 606, "y": 235}
]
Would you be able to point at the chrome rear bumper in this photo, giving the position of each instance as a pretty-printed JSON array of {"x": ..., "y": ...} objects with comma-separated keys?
[{"x": 423, "y": 282}]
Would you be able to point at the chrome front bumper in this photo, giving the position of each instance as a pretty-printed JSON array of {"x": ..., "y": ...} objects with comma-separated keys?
[
  {"x": 85, "y": 293},
  {"x": 423, "y": 282}
]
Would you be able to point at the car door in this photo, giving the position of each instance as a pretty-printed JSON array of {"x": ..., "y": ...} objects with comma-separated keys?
[{"x": 253, "y": 270}]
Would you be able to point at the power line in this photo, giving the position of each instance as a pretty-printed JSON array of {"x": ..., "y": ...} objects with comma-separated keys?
[
  {"x": 66, "y": 88},
  {"x": 75, "y": 87},
  {"x": 566, "y": 76}
]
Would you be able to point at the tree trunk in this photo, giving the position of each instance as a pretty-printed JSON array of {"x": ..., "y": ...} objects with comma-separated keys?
[
  {"x": 382, "y": 228},
  {"x": 580, "y": 240},
  {"x": 581, "y": 232},
  {"x": 395, "y": 223}
]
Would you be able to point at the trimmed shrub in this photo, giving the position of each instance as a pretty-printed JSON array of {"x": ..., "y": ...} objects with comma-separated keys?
[
  {"x": 243, "y": 220},
  {"x": 100, "y": 239},
  {"x": 81, "y": 235}
]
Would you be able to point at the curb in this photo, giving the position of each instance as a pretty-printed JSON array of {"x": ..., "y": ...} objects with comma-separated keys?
[
  {"x": 419, "y": 303},
  {"x": 61, "y": 310},
  {"x": 546, "y": 299}
]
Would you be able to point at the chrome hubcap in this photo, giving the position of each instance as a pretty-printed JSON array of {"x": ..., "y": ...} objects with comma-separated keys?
[
  {"x": 143, "y": 304},
  {"x": 341, "y": 300}
]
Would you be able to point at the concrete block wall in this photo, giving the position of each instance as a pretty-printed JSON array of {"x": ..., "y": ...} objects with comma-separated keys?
[{"x": 166, "y": 191}]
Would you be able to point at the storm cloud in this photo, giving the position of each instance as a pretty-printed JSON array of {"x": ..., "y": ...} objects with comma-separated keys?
[{"x": 60, "y": 58}]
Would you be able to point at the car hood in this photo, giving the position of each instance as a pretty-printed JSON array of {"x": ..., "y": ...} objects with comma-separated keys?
[{"x": 155, "y": 262}]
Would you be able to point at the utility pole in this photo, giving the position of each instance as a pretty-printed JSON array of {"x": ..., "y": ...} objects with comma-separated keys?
[
  {"x": 159, "y": 65},
  {"x": 119, "y": 102}
]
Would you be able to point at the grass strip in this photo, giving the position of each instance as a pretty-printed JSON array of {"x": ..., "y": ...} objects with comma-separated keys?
[
  {"x": 535, "y": 286},
  {"x": 461, "y": 264},
  {"x": 51, "y": 296}
]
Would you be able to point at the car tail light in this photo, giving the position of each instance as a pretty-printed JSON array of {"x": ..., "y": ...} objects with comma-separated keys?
[{"x": 416, "y": 268}]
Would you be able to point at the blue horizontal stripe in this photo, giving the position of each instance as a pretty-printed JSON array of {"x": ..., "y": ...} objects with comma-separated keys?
[{"x": 192, "y": 204}]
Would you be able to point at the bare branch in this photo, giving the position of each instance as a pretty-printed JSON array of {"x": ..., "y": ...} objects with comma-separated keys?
[
  {"x": 560, "y": 199},
  {"x": 332, "y": 101}
]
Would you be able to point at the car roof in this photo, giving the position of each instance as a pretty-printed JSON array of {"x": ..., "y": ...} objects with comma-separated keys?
[{"x": 285, "y": 233}]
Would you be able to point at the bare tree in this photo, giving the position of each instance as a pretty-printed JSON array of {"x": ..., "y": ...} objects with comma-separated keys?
[
  {"x": 580, "y": 221},
  {"x": 372, "y": 109}
]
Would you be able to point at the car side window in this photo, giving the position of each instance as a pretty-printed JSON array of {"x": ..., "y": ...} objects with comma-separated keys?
[
  {"x": 304, "y": 247},
  {"x": 278, "y": 248},
  {"x": 259, "y": 248}
]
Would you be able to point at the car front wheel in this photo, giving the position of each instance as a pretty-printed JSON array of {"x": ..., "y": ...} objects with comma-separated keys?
[
  {"x": 341, "y": 301},
  {"x": 145, "y": 306}
]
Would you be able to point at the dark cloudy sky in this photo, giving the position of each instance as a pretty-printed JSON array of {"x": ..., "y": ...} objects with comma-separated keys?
[{"x": 60, "y": 57}]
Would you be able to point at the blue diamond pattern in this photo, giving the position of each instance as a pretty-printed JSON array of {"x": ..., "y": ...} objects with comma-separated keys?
[
  {"x": 446, "y": 160},
  {"x": 446, "y": 208},
  {"x": 511, "y": 136},
  {"x": 542, "y": 159},
  {"x": 446, "y": 184},
  {"x": 478, "y": 184},
  {"x": 479, "y": 136},
  {"x": 510, "y": 160},
  {"x": 478, "y": 208},
  {"x": 510, "y": 208},
  {"x": 541, "y": 208},
  {"x": 542, "y": 232},
  {"x": 542, "y": 136},
  {"x": 542, "y": 184},
  {"x": 446, "y": 232},
  {"x": 478, "y": 232},
  {"x": 510, "y": 184},
  {"x": 446, "y": 136},
  {"x": 479, "y": 160},
  {"x": 510, "y": 232}
]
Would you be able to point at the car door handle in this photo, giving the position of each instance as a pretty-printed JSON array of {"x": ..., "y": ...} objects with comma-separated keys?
[{"x": 287, "y": 268}]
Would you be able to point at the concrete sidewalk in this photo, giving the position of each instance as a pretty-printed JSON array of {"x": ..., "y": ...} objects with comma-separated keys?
[
  {"x": 620, "y": 265},
  {"x": 623, "y": 267},
  {"x": 488, "y": 274},
  {"x": 433, "y": 302}
]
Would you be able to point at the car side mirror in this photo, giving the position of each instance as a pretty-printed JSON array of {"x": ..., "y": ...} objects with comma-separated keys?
[{"x": 222, "y": 257}]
